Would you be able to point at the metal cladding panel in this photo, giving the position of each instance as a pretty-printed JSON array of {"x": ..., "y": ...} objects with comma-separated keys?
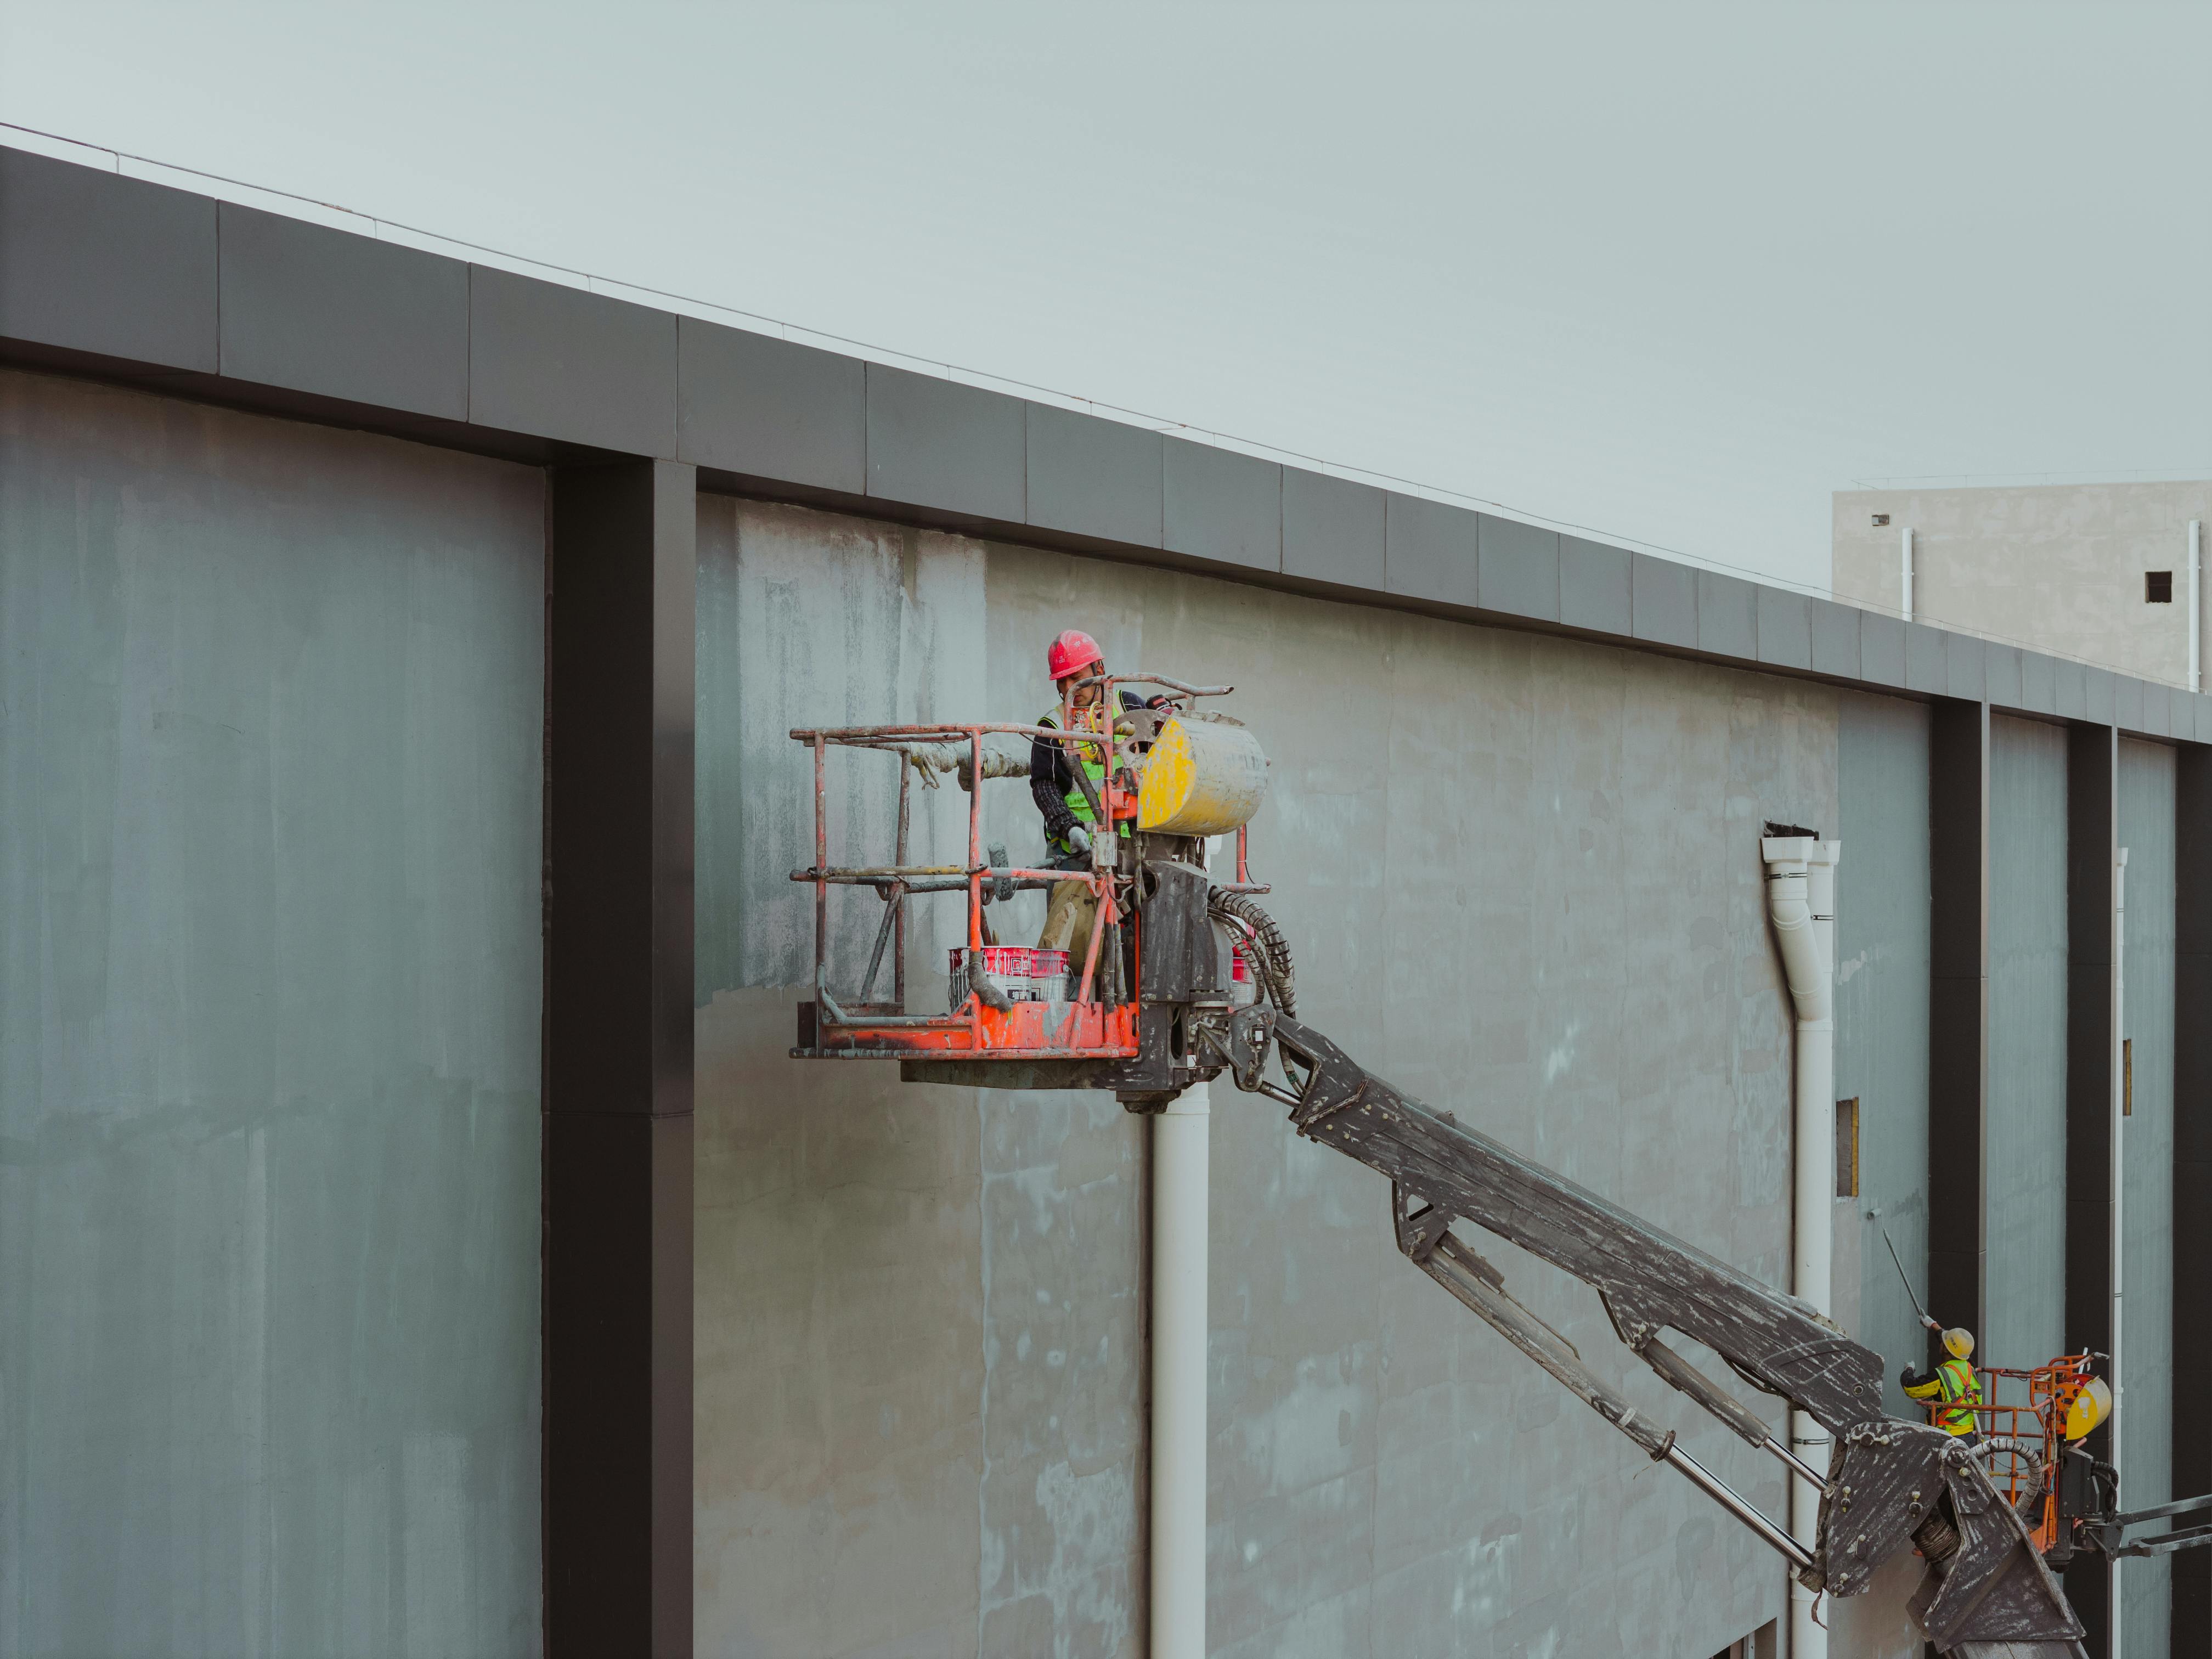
[
  {"x": 1663, "y": 601},
  {"x": 313, "y": 309},
  {"x": 573, "y": 366},
  {"x": 2157, "y": 709},
  {"x": 2127, "y": 702},
  {"x": 1728, "y": 616},
  {"x": 1093, "y": 478},
  {"x": 2097, "y": 686},
  {"x": 1962, "y": 667},
  {"x": 1881, "y": 649},
  {"x": 1595, "y": 586},
  {"x": 1332, "y": 529},
  {"x": 1430, "y": 551},
  {"x": 1785, "y": 628},
  {"x": 753, "y": 404},
  {"x": 1926, "y": 668},
  {"x": 2069, "y": 688},
  {"x": 2039, "y": 682},
  {"x": 1222, "y": 505},
  {"x": 2001, "y": 673},
  {"x": 1835, "y": 638},
  {"x": 91, "y": 261},
  {"x": 1516, "y": 568},
  {"x": 938, "y": 444},
  {"x": 2202, "y": 706}
]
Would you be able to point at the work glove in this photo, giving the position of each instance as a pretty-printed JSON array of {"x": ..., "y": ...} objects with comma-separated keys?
[{"x": 1079, "y": 838}]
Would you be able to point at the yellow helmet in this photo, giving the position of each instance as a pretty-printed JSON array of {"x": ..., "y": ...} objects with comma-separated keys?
[
  {"x": 2091, "y": 1407},
  {"x": 1959, "y": 1342}
]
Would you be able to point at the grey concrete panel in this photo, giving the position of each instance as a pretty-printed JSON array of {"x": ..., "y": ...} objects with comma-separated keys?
[
  {"x": 2001, "y": 674},
  {"x": 1785, "y": 628},
  {"x": 92, "y": 261},
  {"x": 1835, "y": 638},
  {"x": 2098, "y": 689},
  {"x": 1881, "y": 649},
  {"x": 271, "y": 1032},
  {"x": 958, "y": 1271},
  {"x": 2127, "y": 702},
  {"x": 1883, "y": 1009},
  {"x": 1728, "y": 616},
  {"x": 2202, "y": 705},
  {"x": 1664, "y": 598},
  {"x": 2039, "y": 682},
  {"x": 2026, "y": 1227},
  {"x": 1093, "y": 478},
  {"x": 1596, "y": 588},
  {"x": 2071, "y": 688},
  {"x": 770, "y": 409},
  {"x": 1517, "y": 568},
  {"x": 1962, "y": 667},
  {"x": 574, "y": 366},
  {"x": 938, "y": 444},
  {"x": 1222, "y": 505},
  {"x": 1927, "y": 667},
  {"x": 318, "y": 310},
  {"x": 1332, "y": 529},
  {"x": 1430, "y": 551},
  {"x": 2147, "y": 804}
]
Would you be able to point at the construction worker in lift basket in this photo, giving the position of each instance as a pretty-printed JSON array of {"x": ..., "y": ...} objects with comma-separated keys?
[
  {"x": 1077, "y": 666},
  {"x": 1951, "y": 1388}
]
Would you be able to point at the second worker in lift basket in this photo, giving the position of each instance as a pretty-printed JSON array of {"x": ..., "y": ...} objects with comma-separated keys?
[{"x": 1077, "y": 666}]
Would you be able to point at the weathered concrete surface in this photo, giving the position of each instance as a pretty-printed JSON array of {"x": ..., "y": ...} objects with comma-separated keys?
[
  {"x": 2145, "y": 1423},
  {"x": 2059, "y": 567},
  {"x": 270, "y": 719},
  {"x": 1881, "y": 1058},
  {"x": 2026, "y": 1226},
  {"x": 1521, "y": 876}
]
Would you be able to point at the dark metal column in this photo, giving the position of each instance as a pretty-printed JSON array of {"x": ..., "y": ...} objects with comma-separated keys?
[
  {"x": 2093, "y": 824},
  {"x": 2192, "y": 1181},
  {"x": 1959, "y": 1014},
  {"x": 621, "y": 572}
]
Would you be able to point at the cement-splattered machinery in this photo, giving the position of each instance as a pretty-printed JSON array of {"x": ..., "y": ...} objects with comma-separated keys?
[{"x": 1187, "y": 979}]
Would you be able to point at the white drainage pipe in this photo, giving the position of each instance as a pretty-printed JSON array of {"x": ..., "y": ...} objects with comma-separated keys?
[
  {"x": 2117, "y": 1244},
  {"x": 1905, "y": 552},
  {"x": 1181, "y": 1159},
  {"x": 1800, "y": 902}
]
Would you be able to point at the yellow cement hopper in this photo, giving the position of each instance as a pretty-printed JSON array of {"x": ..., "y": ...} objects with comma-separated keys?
[{"x": 1206, "y": 775}]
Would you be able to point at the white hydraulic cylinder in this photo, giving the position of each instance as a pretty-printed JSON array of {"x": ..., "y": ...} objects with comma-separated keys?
[
  {"x": 1181, "y": 1161},
  {"x": 1800, "y": 903}
]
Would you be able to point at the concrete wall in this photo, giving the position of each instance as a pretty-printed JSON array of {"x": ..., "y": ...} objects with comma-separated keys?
[
  {"x": 270, "y": 728},
  {"x": 1521, "y": 875},
  {"x": 1881, "y": 1058},
  {"x": 2145, "y": 1423},
  {"x": 2025, "y": 1322},
  {"x": 2059, "y": 567}
]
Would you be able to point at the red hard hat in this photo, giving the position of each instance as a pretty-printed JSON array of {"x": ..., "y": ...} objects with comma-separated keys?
[{"x": 1072, "y": 652}]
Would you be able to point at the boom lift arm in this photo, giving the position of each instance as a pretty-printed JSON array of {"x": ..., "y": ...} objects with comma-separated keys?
[{"x": 1987, "y": 1591}]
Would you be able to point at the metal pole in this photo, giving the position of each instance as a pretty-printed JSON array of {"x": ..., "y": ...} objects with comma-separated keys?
[
  {"x": 1710, "y": 1484},
  {"x": 1181, "y": 1161}
]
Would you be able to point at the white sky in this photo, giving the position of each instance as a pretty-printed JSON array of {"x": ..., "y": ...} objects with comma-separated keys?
[{"x": 1673, "y": 273}]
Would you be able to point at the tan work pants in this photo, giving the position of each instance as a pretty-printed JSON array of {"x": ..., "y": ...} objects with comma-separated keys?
[{"x": 1070, "y": 915}]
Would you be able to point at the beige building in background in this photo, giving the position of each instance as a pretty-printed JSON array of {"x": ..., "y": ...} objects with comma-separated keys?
[{"x": 2067, "y": 568}]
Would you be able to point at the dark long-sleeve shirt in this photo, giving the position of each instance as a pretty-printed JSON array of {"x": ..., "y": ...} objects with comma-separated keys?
[{"x": 1051, "y": 777}]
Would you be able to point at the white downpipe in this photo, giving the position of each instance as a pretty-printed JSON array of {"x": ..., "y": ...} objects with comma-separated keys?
[
  {"x": 1180, "y": 1152},
  {"x": 2196, "y": 607},
  {"x": 1905, "y": 538},
  {"x": 1800, "y": 902},
  {"x": 2118, "y": 1243}
]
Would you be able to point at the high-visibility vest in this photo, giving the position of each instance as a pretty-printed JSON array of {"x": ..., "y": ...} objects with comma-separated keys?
[
  {"x": 1092, "y": 758},
  {"x": 1962, "y": 1392}
]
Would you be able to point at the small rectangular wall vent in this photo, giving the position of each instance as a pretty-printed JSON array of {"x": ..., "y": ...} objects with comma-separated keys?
[
  {"x": 1847, "y": 1147},
  {"x": 2158, "y": 587}
]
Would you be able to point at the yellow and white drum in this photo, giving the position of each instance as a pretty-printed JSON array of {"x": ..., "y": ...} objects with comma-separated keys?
[{"x": 1206, "y": 775}]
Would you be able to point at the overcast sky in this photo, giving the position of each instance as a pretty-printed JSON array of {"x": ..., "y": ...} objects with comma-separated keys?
[{"x": 1674, "y": 273}]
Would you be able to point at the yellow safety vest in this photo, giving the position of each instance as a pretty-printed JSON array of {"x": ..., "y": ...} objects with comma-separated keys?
[
  {"x": 1092, "y": 758},
  {"x": 1955, "y": 1384}
]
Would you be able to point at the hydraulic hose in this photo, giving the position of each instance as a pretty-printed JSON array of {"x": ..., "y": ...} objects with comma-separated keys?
[{"x": 1239, "y": 910}]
